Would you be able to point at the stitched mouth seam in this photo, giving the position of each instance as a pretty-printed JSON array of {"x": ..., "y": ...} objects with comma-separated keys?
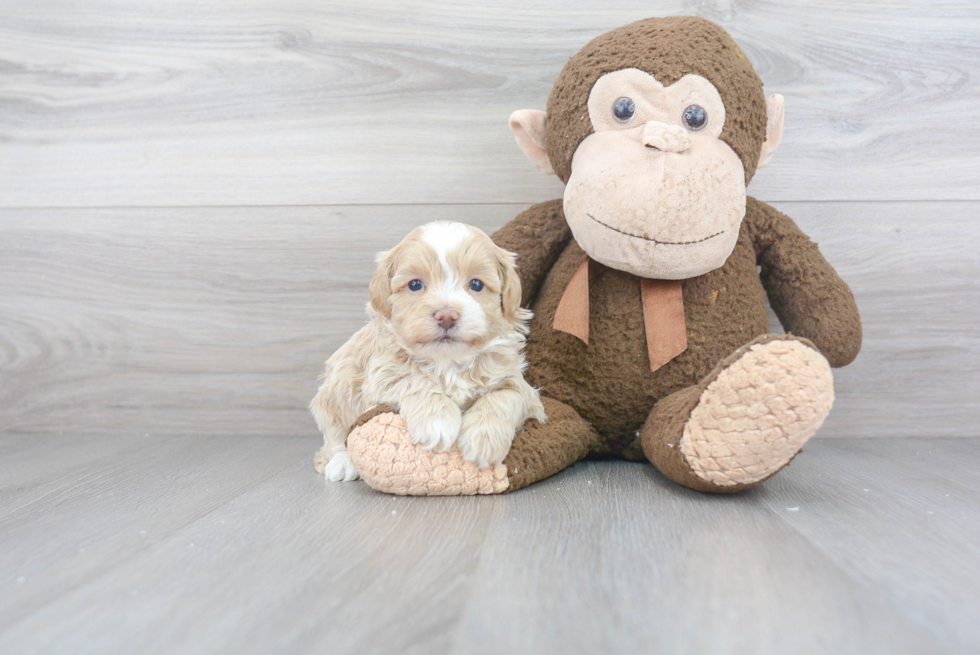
[{"x": 663, "y": 243}]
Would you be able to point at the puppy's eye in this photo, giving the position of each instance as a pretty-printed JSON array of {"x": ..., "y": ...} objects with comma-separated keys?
[
  {"x": 476, "y": 285},
  {"x": 415, "y": 285},
  {"x": 695, "y": 117},
  {"x": 624, "y": 109}
]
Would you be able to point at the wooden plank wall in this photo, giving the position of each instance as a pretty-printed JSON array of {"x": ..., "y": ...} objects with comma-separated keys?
[{"x": 191, "y": 193}]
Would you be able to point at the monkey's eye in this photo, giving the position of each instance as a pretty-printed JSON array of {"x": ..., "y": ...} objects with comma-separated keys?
[
  {"x": 476, "y": 285},
  {"x": 623, "y": 110},
  {"x": 415, "y": 285},
  {"x": 695, "y": 117}
]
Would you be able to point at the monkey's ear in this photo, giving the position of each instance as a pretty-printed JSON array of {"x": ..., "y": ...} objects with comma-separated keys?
[
  {"x": 774, "y": 129},
  {"x": 379, "y": 291},
  {"x": 530, "y": 127}
]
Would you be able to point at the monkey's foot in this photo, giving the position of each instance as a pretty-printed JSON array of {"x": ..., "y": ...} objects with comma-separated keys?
[
  {"x": 388, "y": 461},
  {"x": 744, "y": 422}
]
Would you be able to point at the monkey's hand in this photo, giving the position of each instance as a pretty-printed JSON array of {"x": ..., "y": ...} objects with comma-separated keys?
[{"x": 807, "y": 294}]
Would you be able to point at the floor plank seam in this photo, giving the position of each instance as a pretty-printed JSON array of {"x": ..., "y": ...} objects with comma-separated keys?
[
  {"x": 150, "y": 545},
  {"x": 456, "y": 632},
  {"x": 7, "y": 515},
  {"x": 867, "y": 585}
]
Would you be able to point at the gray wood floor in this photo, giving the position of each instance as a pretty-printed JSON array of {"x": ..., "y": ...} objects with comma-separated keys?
[{"x": 234, "y": 545}]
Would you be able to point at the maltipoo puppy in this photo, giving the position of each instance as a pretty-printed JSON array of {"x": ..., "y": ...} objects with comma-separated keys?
[{"x": 444, "y": 346}]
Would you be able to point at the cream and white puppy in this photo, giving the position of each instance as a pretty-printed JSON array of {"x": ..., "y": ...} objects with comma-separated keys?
[{"x": 444, "y": 345}]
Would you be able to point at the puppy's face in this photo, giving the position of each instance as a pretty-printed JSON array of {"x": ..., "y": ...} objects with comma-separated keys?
[{"x": 447, "y": 291}]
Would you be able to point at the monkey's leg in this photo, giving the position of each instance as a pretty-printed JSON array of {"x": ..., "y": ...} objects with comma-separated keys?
[
  {"x": 383, "y": 452},
  {"x": 746, "y": 420},
  {"x": 541, "y": 450}
]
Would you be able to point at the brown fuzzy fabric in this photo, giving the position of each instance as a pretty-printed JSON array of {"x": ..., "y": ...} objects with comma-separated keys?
[
  {"x": 543, "y": 224},
  {"x": 805, "y": 292},
  {"x": 661, "y": 434},
  {"x": 609, "y": 383},
  {"x": 541, "y": 450},
  {"x": 668, "y": 49}
]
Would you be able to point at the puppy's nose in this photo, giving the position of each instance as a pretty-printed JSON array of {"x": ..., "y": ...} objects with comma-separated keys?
[{"x": 446, "y": 317}]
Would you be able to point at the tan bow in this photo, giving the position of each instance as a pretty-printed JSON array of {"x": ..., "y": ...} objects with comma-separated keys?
[{"x": 663, "y": 313}]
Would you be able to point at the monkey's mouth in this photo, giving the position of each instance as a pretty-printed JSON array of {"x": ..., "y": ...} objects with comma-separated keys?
[{"x": 663, "y": 243}]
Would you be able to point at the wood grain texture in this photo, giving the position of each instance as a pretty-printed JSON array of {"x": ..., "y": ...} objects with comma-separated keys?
[
  {"x": 269, "y": 102},
  {"x": 621, "y": 560},
  {"x": 87, "y": 519},
  {"x": 27, "y": 471},
  {"x": 217, "y": 321},
  {"x": 837, "y": 554},
  {"x": 925, "y": 486}
]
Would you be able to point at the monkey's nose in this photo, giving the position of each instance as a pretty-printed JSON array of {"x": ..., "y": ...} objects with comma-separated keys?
[
  {"x": 669, "y": 138},
  {"x": 446, "y": 317}
]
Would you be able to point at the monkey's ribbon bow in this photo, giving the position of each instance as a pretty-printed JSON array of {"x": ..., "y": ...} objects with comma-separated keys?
[{"x": 663, "y": 313}]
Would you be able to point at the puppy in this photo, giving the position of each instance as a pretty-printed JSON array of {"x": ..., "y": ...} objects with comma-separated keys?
[{"x": 444, "y": 345}]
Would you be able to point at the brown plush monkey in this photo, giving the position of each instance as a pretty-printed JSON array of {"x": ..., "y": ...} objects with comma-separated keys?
[{"x": 649, "y": 336}]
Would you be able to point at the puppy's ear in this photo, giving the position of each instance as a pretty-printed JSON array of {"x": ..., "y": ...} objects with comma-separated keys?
[
  {"x": 380, "y": 288},
  {"x": 510, "y": 284}
]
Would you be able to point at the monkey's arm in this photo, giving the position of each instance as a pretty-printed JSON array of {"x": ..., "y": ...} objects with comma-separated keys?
[
  {"x": 806, "y": 293},
  {"x": 538, "y": 235}
]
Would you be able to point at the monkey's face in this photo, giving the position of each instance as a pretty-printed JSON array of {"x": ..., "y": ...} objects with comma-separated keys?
[
  {"x": 653, "y": 190},
  {"x": 655, "y": 175}
]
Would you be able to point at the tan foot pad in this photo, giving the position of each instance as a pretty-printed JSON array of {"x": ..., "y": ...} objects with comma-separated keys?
[
  {"x": 386, "y": 458},
  {"x": 757, "y": 414}
]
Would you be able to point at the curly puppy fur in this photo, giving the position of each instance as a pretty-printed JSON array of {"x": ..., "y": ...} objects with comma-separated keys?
[{"x": 443, "y": 346}]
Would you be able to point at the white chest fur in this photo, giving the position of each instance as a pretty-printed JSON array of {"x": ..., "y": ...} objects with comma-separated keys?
[
  {"x": 460, "y": 390},
  {"x": 461, "y": 383}
]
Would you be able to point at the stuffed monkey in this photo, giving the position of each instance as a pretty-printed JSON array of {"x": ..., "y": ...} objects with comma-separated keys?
[{"x": 648, "y": 280}]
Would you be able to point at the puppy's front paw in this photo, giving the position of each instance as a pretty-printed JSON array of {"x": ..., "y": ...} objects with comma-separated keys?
[
  {"x": 433, "y": 421},
  {"x": 437, "y": 432},
  {"x": 340, "y": 468},
  {"x": 483, "y": 440}
]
